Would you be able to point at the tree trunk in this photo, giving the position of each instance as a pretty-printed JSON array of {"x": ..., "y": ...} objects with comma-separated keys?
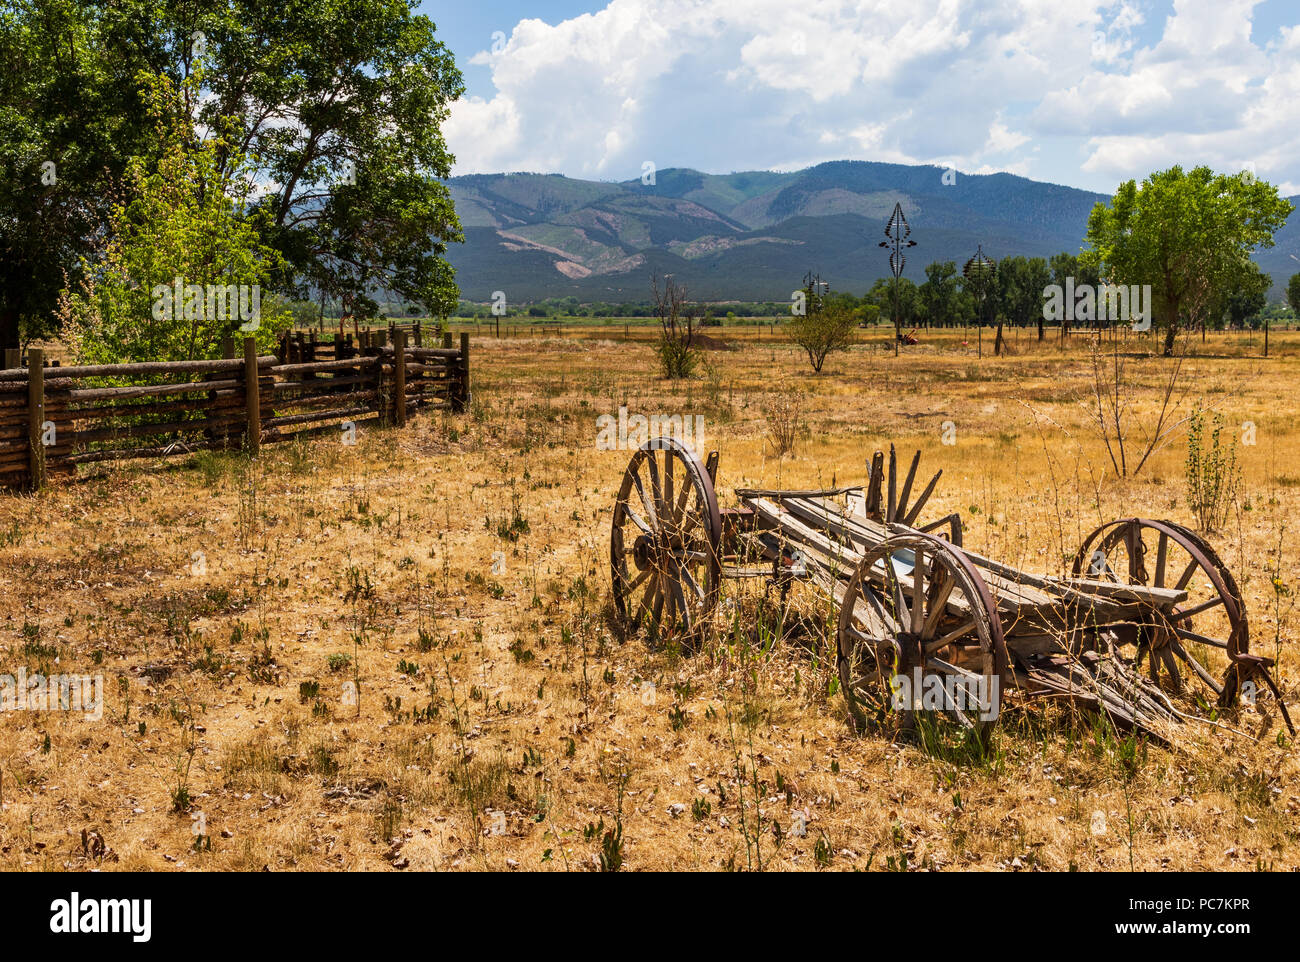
[
  {"x": 1171, "y": 332},
  {"x": 997, "y": 343},
  {"x": 9, "y": 328},
  {"x": 1040, "y": 328}
]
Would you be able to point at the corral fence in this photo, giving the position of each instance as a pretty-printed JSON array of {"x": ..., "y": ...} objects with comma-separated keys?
[
  {"x": 54, "y": 418},
  {"x": 306, "y": 344}
]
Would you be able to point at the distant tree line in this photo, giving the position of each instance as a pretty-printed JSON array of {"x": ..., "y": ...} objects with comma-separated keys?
[{"x": 943, "y": 299}]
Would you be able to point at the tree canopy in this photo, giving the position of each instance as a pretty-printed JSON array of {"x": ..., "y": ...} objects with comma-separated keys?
[
  {"x": 1020, "y": 285},
  {"x": 1188, "y": 234},
  {"x": 181, "y": 266},
  {"x": 331, "y": 108}
]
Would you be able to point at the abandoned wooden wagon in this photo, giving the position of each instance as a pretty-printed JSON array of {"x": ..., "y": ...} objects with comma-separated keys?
[{"x": 1149, "y": 625}]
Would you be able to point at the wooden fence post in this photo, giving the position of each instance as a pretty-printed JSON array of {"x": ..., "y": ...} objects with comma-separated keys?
[
  {"x": 253, "y": 439},
  {"x": 383, "y": 409},
  {"x": 446, "y": 339},
  {"x": 36, "y": 415},
  {"x": 399, "y": 377},
  {"x": 13, "y": 358},
  {"x": 462, "y": 389},
  {"x": 415, "y": 333}
]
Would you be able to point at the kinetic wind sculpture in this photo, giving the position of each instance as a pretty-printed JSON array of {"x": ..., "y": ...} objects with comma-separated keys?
[
  {"x": 980, "y": 271},
  {"x": 896, "y": 232},
  {"x": 816, "y": 289}
]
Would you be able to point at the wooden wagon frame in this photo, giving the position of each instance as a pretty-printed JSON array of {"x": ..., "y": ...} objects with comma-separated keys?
[{"x": 913, "y": 603}]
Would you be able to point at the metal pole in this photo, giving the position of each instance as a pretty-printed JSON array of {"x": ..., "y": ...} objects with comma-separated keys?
[{"x": 896, "y": 317}]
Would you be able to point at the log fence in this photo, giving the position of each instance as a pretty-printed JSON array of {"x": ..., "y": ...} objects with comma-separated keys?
[{"x": 53, "y": 418}]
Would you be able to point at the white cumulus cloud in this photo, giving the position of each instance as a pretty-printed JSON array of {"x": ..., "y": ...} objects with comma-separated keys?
[{"x": 1059, "y": 91}]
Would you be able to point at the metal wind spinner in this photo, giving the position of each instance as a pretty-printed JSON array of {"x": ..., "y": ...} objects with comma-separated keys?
[{"x": 897, "y": 230}]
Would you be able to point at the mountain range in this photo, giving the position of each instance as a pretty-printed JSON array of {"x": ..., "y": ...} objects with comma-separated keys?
[{"x": 753, "y": 235}]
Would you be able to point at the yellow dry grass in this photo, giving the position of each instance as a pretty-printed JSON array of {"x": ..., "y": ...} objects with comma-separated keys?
[{"x": 398, "y": 654}]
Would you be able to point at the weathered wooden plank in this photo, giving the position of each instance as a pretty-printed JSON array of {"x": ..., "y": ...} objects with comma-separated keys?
[
  {"x": 1156, "y": 597},
  {"x": 142, "y": 367},
  {"x": 126, "y": 392}
]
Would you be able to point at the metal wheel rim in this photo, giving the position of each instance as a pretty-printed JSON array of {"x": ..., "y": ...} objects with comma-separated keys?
[{"x": 1237, "y": 643}]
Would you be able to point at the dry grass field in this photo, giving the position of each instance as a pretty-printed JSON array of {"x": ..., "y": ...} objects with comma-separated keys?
[{"x": 400, "y": 654}]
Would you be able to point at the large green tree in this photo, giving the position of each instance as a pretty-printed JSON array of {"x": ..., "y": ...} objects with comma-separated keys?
[
  {"x": 1064, "y": 266},
  {"x": 1293, "y": 292},
  {"x": 940, "y": 292},
  {"x": 1020, "y": 282},
  {"x": 337, "y": 104},
  {"x": 71, "y": 117},
  {"x": 1248, "y": 297},
  {"x": 1189, "y": 234},
  {"x": 909, "y": 301},
  {"x": 359, "y": 165},
  {"x": 182, "y": 265}
]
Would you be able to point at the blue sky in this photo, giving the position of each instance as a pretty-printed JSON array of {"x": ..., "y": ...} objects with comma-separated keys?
[{"x": 1078, "y": 92}]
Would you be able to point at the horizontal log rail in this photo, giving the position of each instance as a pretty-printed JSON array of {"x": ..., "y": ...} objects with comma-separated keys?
[
  {"x": 139, "y": 368},
  {"x": 54, "y": 417}
]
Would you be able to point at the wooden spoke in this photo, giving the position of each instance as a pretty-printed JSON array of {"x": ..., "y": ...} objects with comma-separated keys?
[
  {"x": 679, "y": 602},
  {"x": 637, "y": 520},
  {"x": 1187, "y": 574},
  {"x": 1162, "y": 556},
  {"x": 915, "y": 511},
  {"x": 640, "y": 580},
  {"x": 1171, "y": 667},
  {"x": 1195, "y": 610},
  {"x": 689, "y": 522},
  {"x": 669, "y": 498},
  {"x": 656, "y": 487},
  {"x": 690, "y": 581},
  {"x": 940, "y": 643},
  {"x": 1200, "y": 639},
  {"x": 646, "y": 501},
  {"x": 651, "y": 596},
  {"x": 1133, "y": 541},
  {"x": 873, "y": 599},
  {"x": 1196, "y": 667},
  {"x": 918, "y": 583},
  {"x": 938, "y": 606},
  {"x": 901, "y": 511},
  {"x": 896, "y": 588},
  {"x": 953, "y": 669},
  {"x": 864, "y": 638},
  {"x": 687, "y": 490}
]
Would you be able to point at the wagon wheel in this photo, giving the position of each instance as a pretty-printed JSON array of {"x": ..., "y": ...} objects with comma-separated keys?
[
  {"x": 1208, "y": 633},
  {"x": 943, "y": 623},
  {"x": 664, "y": 544}
]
